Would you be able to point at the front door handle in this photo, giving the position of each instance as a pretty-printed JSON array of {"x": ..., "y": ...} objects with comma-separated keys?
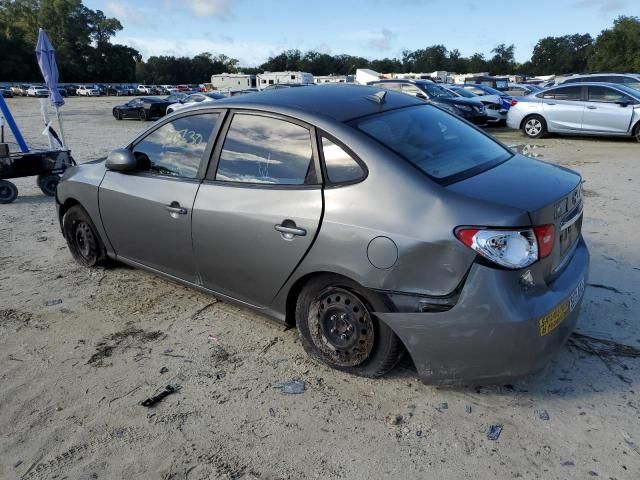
[
  {"x": 175, "y": 209},
  {"x": 550, "y": 103},
  {"x": 592, "y": 108},
  {"x": 288, "y": 229}
]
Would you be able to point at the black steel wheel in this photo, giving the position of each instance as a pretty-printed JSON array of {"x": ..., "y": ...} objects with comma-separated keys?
[
  {"x": 48, "y": 184},
  {"x": 337, "y": 327},
  {"x": 142, "y": 114},
  {"x": 8, "y": 192},
  {"x": 82, "y": 238}
]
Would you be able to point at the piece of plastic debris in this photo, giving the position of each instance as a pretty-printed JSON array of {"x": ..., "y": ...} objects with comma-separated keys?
[
  {"x": 567, "y": 463},
  {"x": 406, "y": 430},
  {"x": 151, "y": 401},
  {"x": 468, "y": 409},
  {"x": 442, "y": 406},
  {"x": 291, "y": 387},
  {"x": 215, "y": 338},
  {"x": 494, "y": 432},
  {"x": 419, "y": 433},
  {"x": 163, "y": 370},
  {"x": 543, "y": 415},
  {"x": 50, "y": 303}
]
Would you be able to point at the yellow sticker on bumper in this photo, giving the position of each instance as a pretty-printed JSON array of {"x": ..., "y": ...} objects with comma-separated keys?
[{"x": 554, "y": 318}]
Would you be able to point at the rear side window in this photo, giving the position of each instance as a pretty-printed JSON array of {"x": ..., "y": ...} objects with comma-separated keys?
[
  {"x": 341, "y": 167},
  {"x": 176, "y": 148},
  {"x": 436, "y": 142},
  {"x": 564, "y": 93},
  {"x": 266, "y": 150}
]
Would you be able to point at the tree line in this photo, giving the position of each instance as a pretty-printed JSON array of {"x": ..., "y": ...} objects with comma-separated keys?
[{"x": 82, "y": 38}]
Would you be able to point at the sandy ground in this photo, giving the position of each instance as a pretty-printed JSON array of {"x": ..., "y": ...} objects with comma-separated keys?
[{"x": 80, "y": 350}]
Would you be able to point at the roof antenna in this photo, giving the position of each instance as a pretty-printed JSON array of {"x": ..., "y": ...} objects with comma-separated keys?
[{"x": 378, "y": 97}]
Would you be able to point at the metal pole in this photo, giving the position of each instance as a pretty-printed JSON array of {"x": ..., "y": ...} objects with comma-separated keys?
[
  {"x": 12, "y": 125},
  {"x": 64, "y": 142}
]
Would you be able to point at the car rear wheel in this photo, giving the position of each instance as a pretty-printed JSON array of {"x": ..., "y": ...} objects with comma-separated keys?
[
  {"x": 117, "y": 114},
  {"x": 636, "y": 132},
  {"x": 142, "y": 114},
  {"x": 82, "y": 238},
  {"x": 8, "y": 192},
  {"x": 48, "y": 184},
  {"x": 337, "y": 327},
  {"x": 534, "y": 126}
]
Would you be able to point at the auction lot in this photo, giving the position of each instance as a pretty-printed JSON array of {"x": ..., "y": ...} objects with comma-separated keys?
[{"x": 80, "y": 350}]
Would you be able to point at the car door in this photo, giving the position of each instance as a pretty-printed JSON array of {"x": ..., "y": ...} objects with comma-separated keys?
[
  {"x": 257, "y": 212},
  {"x": 563, "y": 108},
  {"x": 607, "y": 111},
  {"x": 147, "y": 212}
]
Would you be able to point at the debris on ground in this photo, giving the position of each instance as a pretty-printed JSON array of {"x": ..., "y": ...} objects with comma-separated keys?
[
  {"x": 393, "y": 420},
  {"x": 151, "y": 401},
  {"x": 163, "y": 370},
  {"x": 468, "y": 409},
  {"x": 442, "y": 406},
  {"x": 50, "y": 303},
  {"x": 494, "y": 432},
  {"x": 291, "y": 387},
  {"x": 543, "y": 414}
]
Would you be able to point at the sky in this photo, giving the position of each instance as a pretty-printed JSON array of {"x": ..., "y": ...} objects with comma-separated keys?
[{"x": 252, "y": 30}]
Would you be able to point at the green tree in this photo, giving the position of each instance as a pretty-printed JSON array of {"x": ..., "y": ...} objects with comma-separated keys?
[
  {"x": 618, "y": 48},
  {"x": 567, "y": 54},
  {"x": 503, "y": 60}
]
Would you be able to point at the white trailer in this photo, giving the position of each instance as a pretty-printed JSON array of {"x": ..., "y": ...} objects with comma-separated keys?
[
  {"x": 364, "y": 76},
  {"x": 331, "y": 79},
  {"x": 233, "y": 81},
  {"x": 274, "y": 78}
]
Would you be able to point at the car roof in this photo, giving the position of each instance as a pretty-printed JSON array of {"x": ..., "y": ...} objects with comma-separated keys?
[
  {"x": 340, "y": 102},
  {"x": 618, "y": 86}
]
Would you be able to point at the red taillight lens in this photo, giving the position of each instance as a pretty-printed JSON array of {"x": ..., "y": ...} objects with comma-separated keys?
[
  {"x": 465, "y": 235},
  {"x": 514, "y": 102},
  {"x": 545, "y": 235}
]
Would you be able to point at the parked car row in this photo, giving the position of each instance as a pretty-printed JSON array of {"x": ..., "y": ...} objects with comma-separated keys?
[{"x": 98, "y": 89}]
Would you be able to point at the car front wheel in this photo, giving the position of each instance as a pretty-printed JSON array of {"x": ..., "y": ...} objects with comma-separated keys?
[
  {"x": 82, "y": 237},
  {"x": 142, "y": 114},
  {"x": 637, "y": 132},
  {"x": 337, "y": 327},
  {"x": 534, "y": 126}
]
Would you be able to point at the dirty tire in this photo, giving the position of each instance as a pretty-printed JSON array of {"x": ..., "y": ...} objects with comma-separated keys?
[
  {"x": 8, "y": 192},
  {"x": 636, "y": 132},
  {"x": 82, "y": 238},
  {"x": 142, "y": 115},
  {"x": 337, "y": 328},
  {"x": 117, "y": 114},
  {"x": 48, "y": 184},
  {"x": 534, "y": 126}
]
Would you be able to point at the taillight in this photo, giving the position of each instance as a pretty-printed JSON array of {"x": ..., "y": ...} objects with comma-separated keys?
[
  {"x": 514, "y": 102},
  {"x": 512, "y": 249},
  {"x": 546, "y": 235}
]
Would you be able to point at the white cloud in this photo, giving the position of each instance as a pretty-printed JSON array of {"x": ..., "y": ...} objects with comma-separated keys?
[
  {"x": 125, "y": 13},
  {"x": 210, "y": 8},
  {"x": 603, "y": 5}
]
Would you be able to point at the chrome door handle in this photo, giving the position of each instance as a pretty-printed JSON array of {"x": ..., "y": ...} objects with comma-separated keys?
[
  {"x": 550, "y": 103},
  {"x": 592, "y": 108},
  {"x": 290, "y": 232},
  {"x": 176, "y": 209}
]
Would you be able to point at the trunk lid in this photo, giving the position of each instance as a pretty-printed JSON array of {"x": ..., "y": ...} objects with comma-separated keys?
[{"x": 548, "y": 193}]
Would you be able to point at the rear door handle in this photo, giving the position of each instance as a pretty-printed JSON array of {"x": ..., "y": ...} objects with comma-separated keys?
[
  {"x": 550, "y": 103},
  {"x": 592, "y": 108},
  {"x": 290, "y": 231},
  {"x": 175, "y": 209}
]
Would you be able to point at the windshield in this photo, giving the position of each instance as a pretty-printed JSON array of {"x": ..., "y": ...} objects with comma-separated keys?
[
  {"x": 436, "y": 91},
  {"x": 436, "y": 142},
  {"x": 491, "y": 91},
  {"x": 630, "y": 89}
]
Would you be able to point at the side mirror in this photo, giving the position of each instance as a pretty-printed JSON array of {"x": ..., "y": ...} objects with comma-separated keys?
[
  {"x": 421, "y": 95},
  {"x": 121, "y": 160},
  {"x": 623, "y": 102}
]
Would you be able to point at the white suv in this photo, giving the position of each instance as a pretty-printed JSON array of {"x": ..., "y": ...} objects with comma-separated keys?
[
  {"x": 87, "y": 91},
  {"x": 631, "y": 80},
  {"x": 37, "y": 91},
  {"x": 145, "y": 89}
]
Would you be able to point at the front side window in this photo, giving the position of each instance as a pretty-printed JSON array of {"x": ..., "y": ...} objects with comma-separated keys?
[
  {"x": 176, "y": 148},
  {"x": 411, "y": 89},
  {"x": 436, "y": 142},
  {"x": 606, "y": 95},
  {"x": 266, "y": 150},
  {"x": 341, "y": 167}
]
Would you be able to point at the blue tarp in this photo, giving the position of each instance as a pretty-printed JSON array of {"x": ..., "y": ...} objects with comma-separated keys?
[{"x": 47, "y": 61}]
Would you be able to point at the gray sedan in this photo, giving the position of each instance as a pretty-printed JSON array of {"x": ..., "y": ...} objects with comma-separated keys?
[
  {"x": 603, "y": 109},
  {"x": 373, "y": 222}
]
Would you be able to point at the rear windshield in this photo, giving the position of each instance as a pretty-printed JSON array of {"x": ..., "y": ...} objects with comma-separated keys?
[{"x": 438, "y": 143}]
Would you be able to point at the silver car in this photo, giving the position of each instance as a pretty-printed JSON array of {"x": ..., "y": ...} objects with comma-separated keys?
[
  {"x": 606, "y": 109},
  {"x": 372, "y": 221}
]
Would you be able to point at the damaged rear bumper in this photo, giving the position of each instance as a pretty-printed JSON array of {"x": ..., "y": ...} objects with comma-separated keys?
[{"x": 492, "y": 334}]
